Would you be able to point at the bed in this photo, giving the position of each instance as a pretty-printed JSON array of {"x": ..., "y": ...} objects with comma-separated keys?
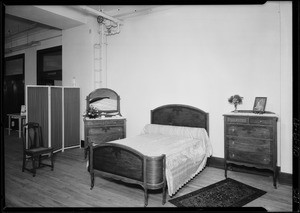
[{"x": 169, "y": 152}]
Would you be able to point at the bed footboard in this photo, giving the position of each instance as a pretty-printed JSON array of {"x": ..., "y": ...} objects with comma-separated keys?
[{"x": 126, "y": 164}]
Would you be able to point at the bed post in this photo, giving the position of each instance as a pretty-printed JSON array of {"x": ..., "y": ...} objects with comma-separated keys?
[
  {"x": 91, "y": 165},
  {"x": 145, "y": 182},
  {"x": 164, "y": 181}
]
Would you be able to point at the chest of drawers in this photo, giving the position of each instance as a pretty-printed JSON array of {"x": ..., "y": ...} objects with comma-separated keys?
[
  {"x": 251, "y": 140},
  {"x": 99, "y": 131}
]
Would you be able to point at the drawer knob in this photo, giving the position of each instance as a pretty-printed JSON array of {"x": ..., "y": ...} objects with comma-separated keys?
[
  {"x": 232, "y": 142},
  {"x": 233, "y": 129},
  {"x": 232, "y": 155}
]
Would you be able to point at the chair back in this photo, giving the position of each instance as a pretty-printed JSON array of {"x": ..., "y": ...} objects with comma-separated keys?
[{"x": 33, "y": 131}]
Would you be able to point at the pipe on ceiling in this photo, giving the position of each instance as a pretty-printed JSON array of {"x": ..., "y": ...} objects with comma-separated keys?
[{"x": 98, "y": 13}]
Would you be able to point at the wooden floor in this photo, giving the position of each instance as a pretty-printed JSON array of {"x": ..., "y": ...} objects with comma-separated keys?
[{"x": 69, "y": 185}]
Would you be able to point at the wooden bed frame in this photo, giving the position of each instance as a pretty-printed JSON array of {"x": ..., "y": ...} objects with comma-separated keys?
[{"x": 126, "y": 164}]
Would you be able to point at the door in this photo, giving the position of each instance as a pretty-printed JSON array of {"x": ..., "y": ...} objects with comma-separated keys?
[{"x": 13, "y": 87}]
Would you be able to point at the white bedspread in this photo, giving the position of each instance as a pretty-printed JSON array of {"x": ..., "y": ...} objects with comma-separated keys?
[{"x": 186, "y": 150}]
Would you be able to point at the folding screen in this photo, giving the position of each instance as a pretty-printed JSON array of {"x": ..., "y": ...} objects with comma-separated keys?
[{"x": 57, "y": 110}]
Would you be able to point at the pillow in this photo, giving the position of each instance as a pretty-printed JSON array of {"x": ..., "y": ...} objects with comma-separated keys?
[{"x": 190, "y": 132}]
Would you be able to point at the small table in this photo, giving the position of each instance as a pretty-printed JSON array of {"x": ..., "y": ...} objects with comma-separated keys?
[{"x": 21, "y": 119}]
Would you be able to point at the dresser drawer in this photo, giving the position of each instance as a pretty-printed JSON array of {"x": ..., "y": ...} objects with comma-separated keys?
[
  {"x": 249, "y": 145},
  {"x": 245, "y": 157},
  {"x": 105, "y": 130},
  {"x": 250, "y": 151},
  {"x": 255, "y": 131},
  {"x": 113, "y": 122},
  {"x": 102, "y": 138},
  {"x": 263, "y": 121},
  {"x": 241, "y": 120}
]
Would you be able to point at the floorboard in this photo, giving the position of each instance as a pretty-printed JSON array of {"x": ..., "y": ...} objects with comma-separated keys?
[{"x": 68, "y": 185}]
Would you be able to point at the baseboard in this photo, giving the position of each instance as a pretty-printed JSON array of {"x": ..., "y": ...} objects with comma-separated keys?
[
  {"x": 216, "y": 162},
  {"x": 283, "y": 178}
]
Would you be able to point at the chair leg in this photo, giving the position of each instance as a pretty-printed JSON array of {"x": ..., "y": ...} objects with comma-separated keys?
[
  {"x": 33, "y": 166},
  {"x": 164, "y": 194},
  {"x": 85, "y": 152},
  {"x": 24, "y": 161},
  {"x": 52, "y": 162},
  {"x": 92, "y": 180},
  {"x": 39, "y": 161}
]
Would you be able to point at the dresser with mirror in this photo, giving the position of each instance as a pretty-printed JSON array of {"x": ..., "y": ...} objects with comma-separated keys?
[{"x": 103, "y": 121}]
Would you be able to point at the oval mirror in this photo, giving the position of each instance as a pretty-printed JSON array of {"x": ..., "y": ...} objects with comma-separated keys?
[{"x": 105, "y": 101}]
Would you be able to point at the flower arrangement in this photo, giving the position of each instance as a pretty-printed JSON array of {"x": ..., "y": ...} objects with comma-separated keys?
[
  {"x": 92, "y": 112},
  {"x": 235, "y": 100}
]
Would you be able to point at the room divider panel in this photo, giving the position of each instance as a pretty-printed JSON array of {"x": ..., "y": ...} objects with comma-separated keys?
[
  {"x": 57, "y": 110},
  {"x": 56, "y": 117},
  {"x": 71, "y": 117},
  {"x": 37, "y": 109}
]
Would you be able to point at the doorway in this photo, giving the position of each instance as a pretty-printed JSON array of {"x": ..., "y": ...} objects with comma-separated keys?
[
  {"x": 49, "y": 66},
  {"x": 13, "y": 87}
]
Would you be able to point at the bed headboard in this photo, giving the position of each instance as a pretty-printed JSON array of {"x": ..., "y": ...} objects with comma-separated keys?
[{"x": 180, "y": 115}]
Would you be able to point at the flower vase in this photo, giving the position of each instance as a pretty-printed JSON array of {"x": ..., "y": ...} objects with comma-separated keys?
[{"x": 235, "y": 108}]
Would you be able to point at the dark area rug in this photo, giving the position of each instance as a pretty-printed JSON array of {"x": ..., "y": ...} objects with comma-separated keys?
[{"x": 226, "y": 193}]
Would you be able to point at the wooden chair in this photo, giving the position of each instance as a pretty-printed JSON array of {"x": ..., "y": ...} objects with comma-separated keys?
[{"x": 35, "y": 149}]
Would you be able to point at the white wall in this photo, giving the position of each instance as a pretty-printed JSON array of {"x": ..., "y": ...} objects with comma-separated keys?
[
  {"x": 200, "y": 56},
  {"x": 78, "y": 60}
]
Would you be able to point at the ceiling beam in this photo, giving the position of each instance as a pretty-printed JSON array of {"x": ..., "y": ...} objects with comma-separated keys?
[{"x": 62, "y": 17}]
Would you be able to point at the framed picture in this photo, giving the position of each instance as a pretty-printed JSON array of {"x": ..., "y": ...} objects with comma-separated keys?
[{"x": 259, "y": 104}]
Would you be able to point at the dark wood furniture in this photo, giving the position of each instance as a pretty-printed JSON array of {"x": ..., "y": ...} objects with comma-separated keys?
[
  {"x": 34, "y": 149},
  {"x": 251, "y": 140},
  {"x": 107, "y": 124},
  {"x": 126, "y": 164},
  {"x": 99, "y": 131}
]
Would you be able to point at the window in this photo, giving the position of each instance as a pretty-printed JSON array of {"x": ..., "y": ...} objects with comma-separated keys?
[{"x": 49, "y": 66}]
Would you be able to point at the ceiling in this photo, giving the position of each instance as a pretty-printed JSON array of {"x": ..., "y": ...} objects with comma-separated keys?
[
  {"x": 16, "y": 26},
  {"x": 123, "y": 11}
]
